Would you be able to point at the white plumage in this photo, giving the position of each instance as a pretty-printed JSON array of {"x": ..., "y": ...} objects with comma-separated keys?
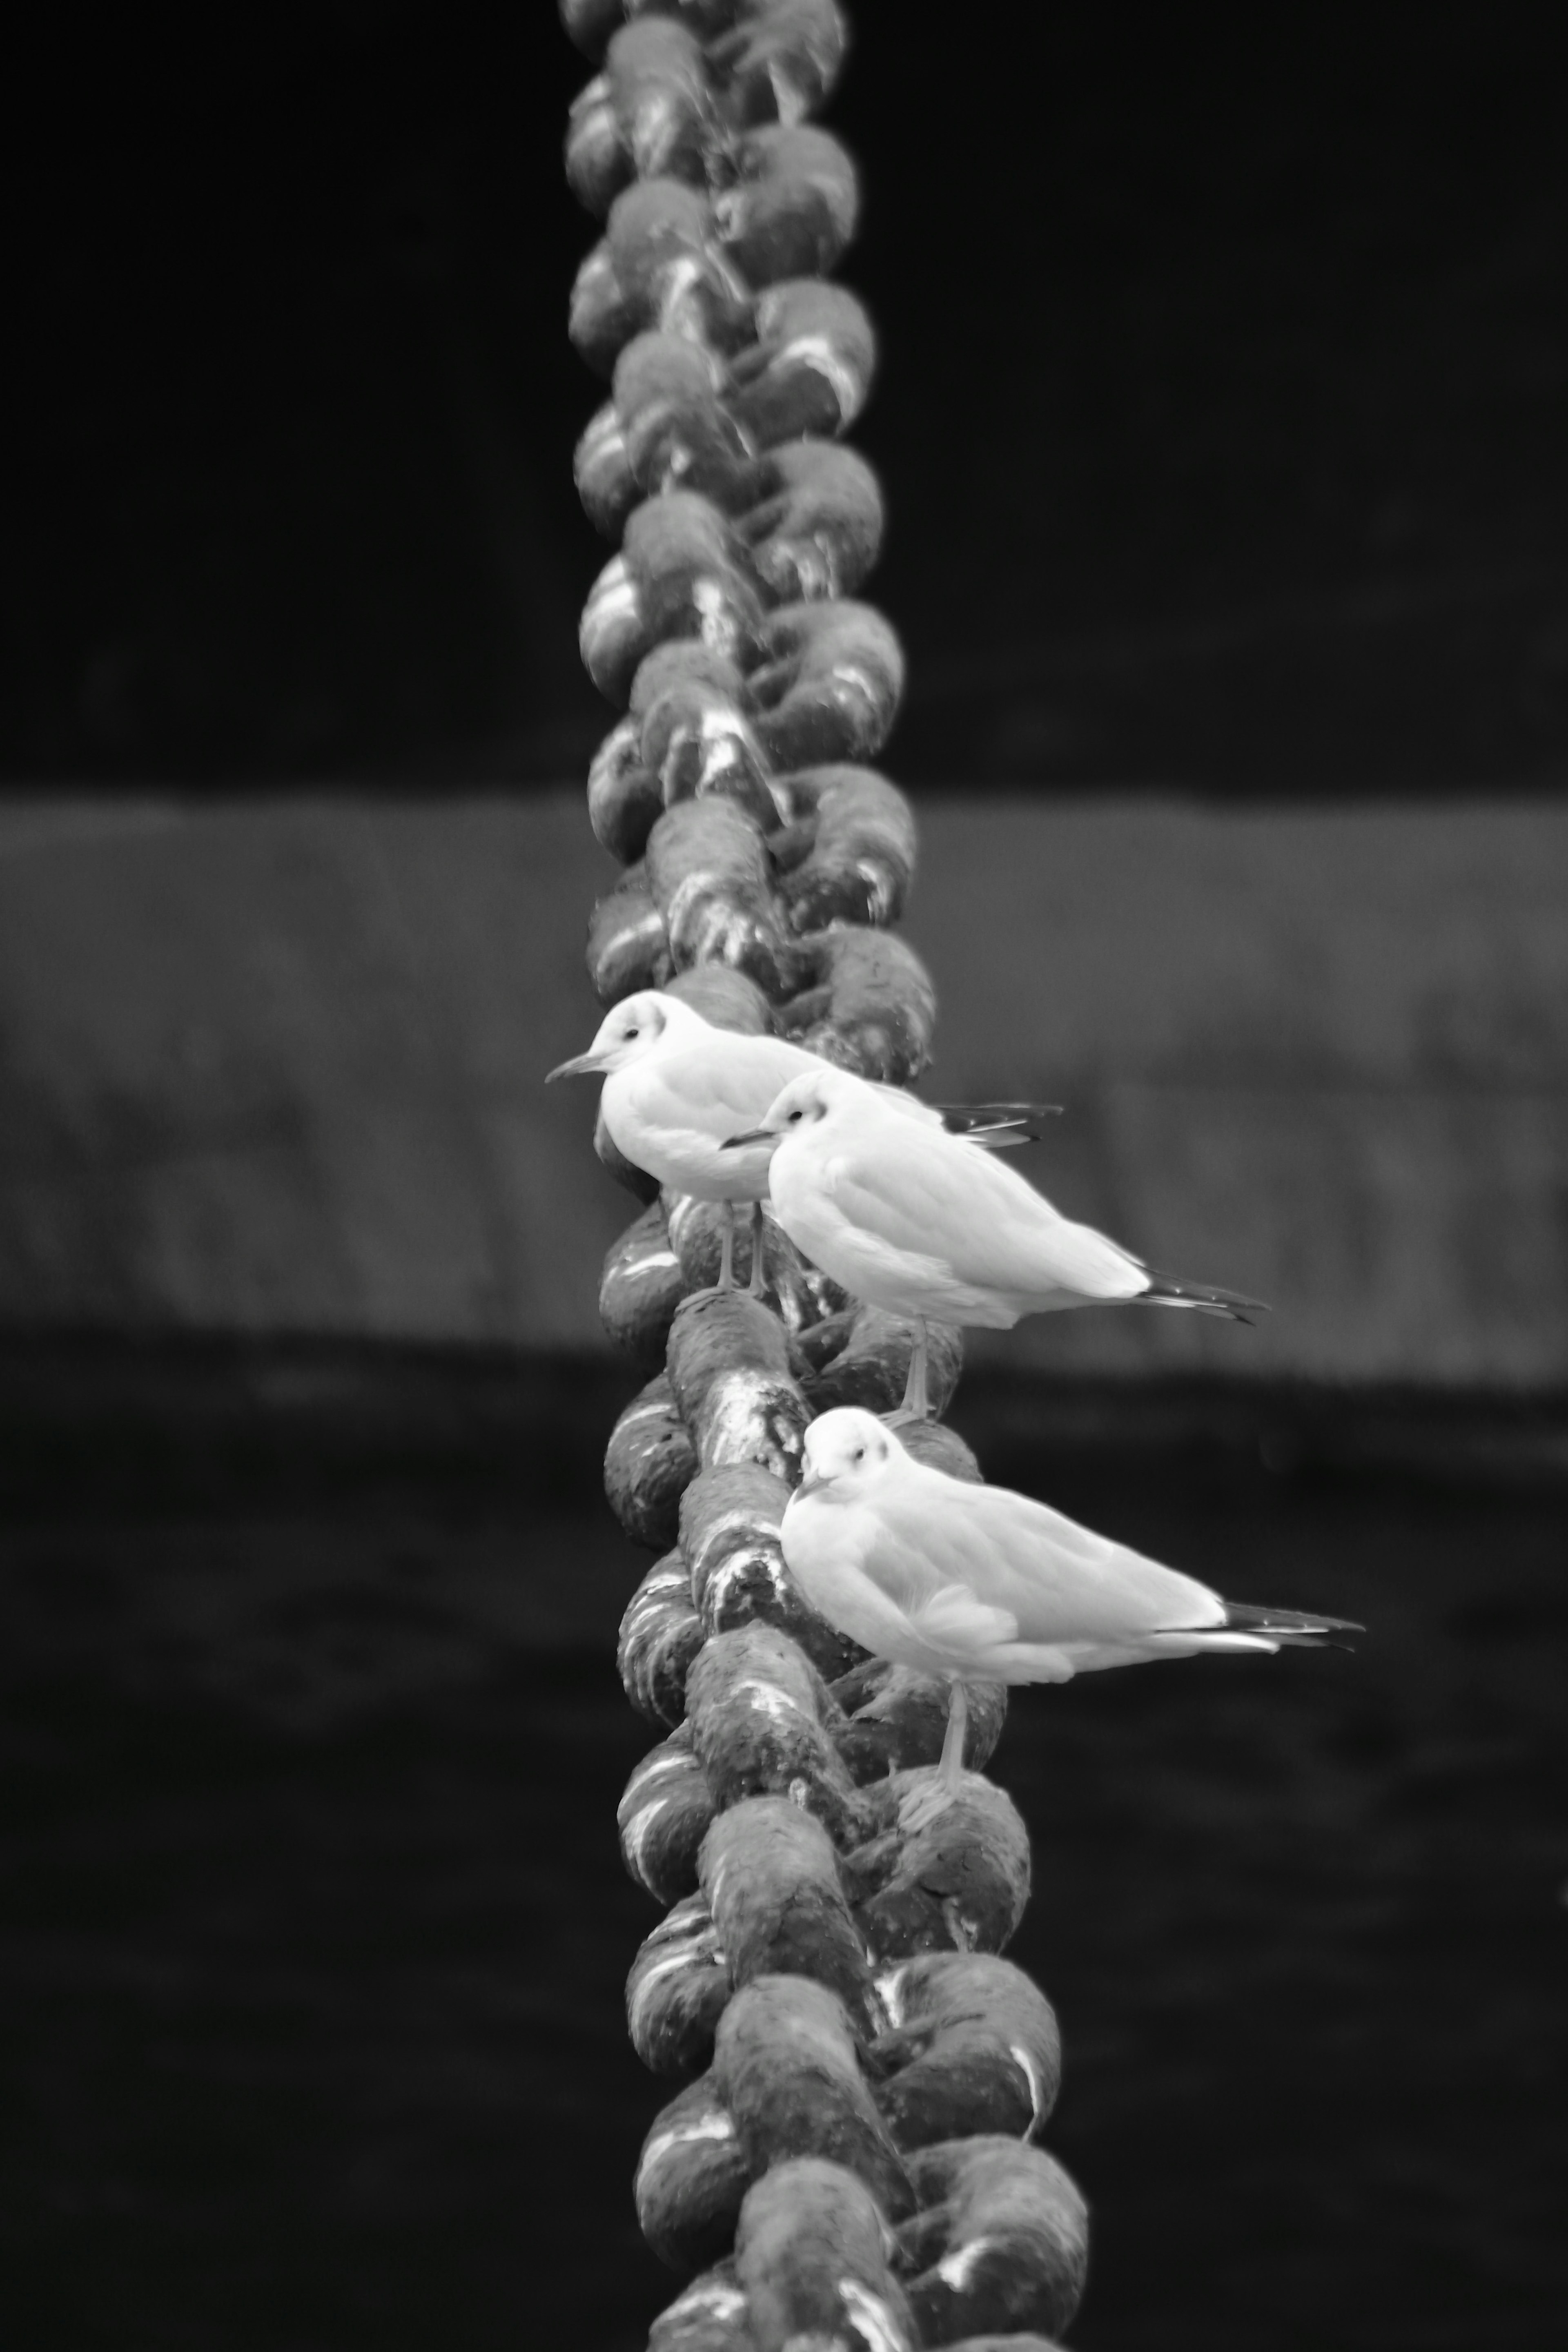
[
  {"x": 914, "y": 1222},
  {"x": 677, "y": 1089},
  {"x": 976, "y": 1582}
]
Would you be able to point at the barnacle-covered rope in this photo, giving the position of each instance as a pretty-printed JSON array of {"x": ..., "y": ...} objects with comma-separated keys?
[{"x": 851, "y": 2158}]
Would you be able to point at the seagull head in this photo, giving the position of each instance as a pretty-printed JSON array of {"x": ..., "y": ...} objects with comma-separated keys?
[
  {"x": 633, "y": 1028},
  {"x": 804, "y": 1103},
  {"x": 848, "y": 1454}
]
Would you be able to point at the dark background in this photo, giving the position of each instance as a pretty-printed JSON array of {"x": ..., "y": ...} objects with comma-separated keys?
[
  {"x": 1222, "y": 428},
  {"x": 318, "y": 1931},
  {"x": 1220, "y": 420}
]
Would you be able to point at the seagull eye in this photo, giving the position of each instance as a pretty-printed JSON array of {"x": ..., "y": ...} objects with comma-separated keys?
[
  {"x": 859, "y": 1453},
  {"x": 629, "y": 1034},
  {"x": 796, "y": 1117}
]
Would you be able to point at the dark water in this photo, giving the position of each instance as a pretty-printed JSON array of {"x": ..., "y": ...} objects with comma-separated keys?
[{"x": 317, "y": 1932}]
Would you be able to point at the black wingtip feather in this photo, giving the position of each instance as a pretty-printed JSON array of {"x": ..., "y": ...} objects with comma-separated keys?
[
  {"x": 1293, "y": 1628},
  {"x": 1204, "y": 1297},
  {"x": 999, "y": 1126}
]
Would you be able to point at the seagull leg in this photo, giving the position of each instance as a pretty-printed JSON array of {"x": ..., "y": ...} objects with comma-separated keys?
[
  {"x": 727, "y": 1252},
  {"x": 915, "y": 1400},
  {"x": 916, "y": 1405},
  {"x": 759, "y": 1283},
  {"x": 950, "y": 1770},
  {"x": 932, "y": 1795}
]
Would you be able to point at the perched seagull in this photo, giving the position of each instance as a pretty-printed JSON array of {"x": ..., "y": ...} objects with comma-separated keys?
[
  {"x": 976, "y": 1582},
  {"x": 909, "y": 1219},
  {"x": 677, "y": 1089}
]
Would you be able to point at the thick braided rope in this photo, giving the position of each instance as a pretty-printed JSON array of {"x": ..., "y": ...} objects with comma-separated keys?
[{"x": 852, "y": 2159}]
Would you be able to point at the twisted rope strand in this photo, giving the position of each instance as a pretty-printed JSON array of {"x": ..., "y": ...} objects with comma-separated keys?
[{"x": 850, "y": 2161}]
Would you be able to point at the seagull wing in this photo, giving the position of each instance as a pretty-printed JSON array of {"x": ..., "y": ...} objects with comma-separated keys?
[
  {"x": 1066, "y": 1584},
  {"x": 923, "y": 1573},
  {"x": 956, "y": 1622},
  {"x": 722, "y": 1084},
  {"x": 1053, "y": 1581},
  {"x": 991, "y": 1127},
  {"x": 931, "y": 1195},
  {"x": 907, "y": 1106}
]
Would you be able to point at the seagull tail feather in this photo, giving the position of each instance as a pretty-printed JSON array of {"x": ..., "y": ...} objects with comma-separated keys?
[{"x": 1203, "y": 1297}]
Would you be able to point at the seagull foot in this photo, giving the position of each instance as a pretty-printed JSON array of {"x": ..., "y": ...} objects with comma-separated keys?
[{"x": 925, "y": 1804}]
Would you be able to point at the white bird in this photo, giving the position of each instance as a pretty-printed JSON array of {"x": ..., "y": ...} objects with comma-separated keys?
[
  {"x": 911, "y": 1220},
  {"x": 976, "y": 1582},
  {"x": 677, "y": 1089}
]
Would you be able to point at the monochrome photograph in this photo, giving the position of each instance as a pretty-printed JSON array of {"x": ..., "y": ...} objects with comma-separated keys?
[{"x": 783, "y": 968}]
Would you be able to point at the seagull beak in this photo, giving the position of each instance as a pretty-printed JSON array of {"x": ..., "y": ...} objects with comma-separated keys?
[
  {"x": 752, "y": 1135},
  {"x": 812, "y": 1484},
  {"x": 581, "y": 1066}
]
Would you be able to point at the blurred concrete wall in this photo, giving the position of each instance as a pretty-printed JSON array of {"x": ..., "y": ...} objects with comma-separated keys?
[{"x": 277, "y": 1069}]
